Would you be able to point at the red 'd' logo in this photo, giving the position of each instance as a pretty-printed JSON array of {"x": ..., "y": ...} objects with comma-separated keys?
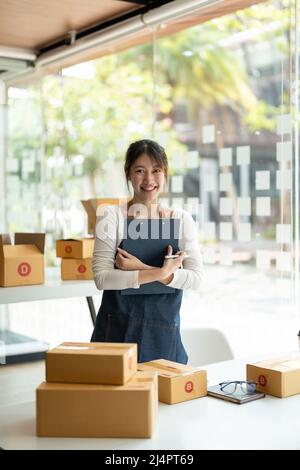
[
  {"x": 24, "y": 269},
  {"x": 189, "y": 387},
  {"x": 81, "y": 268},
  {"x": 68, "y": 249},
  {"x": 262, "y": 380}
]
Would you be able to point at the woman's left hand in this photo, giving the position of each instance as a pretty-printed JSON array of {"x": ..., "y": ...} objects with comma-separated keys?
[{"x": 128, "y": 262}]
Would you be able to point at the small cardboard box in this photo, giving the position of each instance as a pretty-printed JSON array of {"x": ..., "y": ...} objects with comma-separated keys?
[
  {"x": 177, "y": 382},
  {"x": 70, "y": 248},
  {"x": 92, "y": 363},
  {"x": 76, "y": 269},
  {"x": 80, "y": 410},
  {"x": 279, "y": 377},
  {"x": 22, "y": 264},
  {"x": 91, "y": 206}
]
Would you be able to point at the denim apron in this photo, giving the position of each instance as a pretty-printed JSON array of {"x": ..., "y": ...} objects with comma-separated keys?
[{"x": 150, "y": 320}]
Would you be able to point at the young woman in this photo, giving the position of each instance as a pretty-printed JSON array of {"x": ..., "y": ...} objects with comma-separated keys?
[{"x": 150, "y": 320}]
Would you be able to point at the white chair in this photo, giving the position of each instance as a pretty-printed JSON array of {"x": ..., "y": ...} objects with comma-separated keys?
[{"x": 205, "y": 346}]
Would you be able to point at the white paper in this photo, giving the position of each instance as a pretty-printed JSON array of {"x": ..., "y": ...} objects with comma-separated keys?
[
  {"x": 164, "y": 201},
  {"x": 284, "y": 151},
  {"x": 225, "y": 206},
  {"x": 225, "y": 156},
  {"x": 209, "y": 255},
  {"x": 243, "y": 155},
  {"x": 192, "y": 159},
  {"x": 263, "y": 206},
  {"x": 209, "y": 183},
  {"x": 208, "y": 134},
  {"x": 225, "y": 181},
  {"x": 177, "y": 162},
  {"x": 283, "y": 233},
  {"x": 28, "y": 165},
  {"x": 263, "y": 259},
  {"x": 226, "y": 256},
  {"x": 283, "y": 261},
  {"x": 284, "y": 124},
  {"x": 177, "y": 202},
  {"x": 244, "y": 232},
  {"x": 244, "y": 205},
  {"x": 177, "y": 184},
  {"x": 193, "y": 205},
  {"x": 12, "y": 165},
  {"x": 225, "y": 231},
  {"x": 283, "y": 179},
  {"x": 262, "y": 180},
  {"x": 209, "y": 230}
]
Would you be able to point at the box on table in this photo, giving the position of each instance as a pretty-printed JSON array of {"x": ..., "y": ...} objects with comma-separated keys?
[
  {"x": 71, "y": 248},
  {"x": 177, "y": 382},
  {"x": 93, "y": 363},
  {"x": 279, "y": 377},
  {"x": 22, "y": 263},
  {"x": 91, "y": 206},
  {"x": 81, "y": 410},
  {"x": 76, "y": 269}
]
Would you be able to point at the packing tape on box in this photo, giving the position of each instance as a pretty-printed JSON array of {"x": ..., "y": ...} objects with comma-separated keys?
[
  {"x": 170, "y": 369},
  {"x": 285, "y": 363},
  {"x": 104, "y": 346}
]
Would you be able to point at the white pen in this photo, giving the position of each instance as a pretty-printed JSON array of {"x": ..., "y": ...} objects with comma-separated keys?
[{"x": 174, "y": 256}]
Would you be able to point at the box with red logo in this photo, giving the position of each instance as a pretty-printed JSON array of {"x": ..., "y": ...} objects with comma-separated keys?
[
  {"x": 279, "y": 377},
  {"x": 76, "y": 269},
  {"x": 82, "y": 410},
  {"x": 92, "y": 363},
  {"x": 71, "y": 248},
  {"x": 22, "y": 264},
  {"x": 177, "y": 382}
]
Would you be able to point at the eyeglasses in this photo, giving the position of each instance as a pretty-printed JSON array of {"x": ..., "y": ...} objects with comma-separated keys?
[{"x": 246, "y": 386}]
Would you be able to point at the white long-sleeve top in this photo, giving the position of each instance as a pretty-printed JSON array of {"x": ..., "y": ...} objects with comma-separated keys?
[{"x": 108, "y": 235}]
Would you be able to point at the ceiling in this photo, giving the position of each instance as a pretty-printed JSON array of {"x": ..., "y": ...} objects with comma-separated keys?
[{"x": 33, "y": 29}]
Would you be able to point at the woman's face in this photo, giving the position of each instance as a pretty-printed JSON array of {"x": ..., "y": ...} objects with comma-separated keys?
[{"x": 147, "y": 179}]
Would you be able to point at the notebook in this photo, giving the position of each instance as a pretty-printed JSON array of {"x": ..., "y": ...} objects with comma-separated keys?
[
  {"x": 148, "y": 239},
  {"x": 237, "y": 397}
]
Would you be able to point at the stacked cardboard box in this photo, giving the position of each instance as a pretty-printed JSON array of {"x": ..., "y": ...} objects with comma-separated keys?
[
  {"x": 22, "y": 264},
  {"x": 177, "y": 382},
  {"x": 76, "y": 255},
  {"x": 94, "y": 390}
]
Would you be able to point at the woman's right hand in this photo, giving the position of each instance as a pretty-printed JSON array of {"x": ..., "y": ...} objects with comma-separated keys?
[{"x": 172, "y": 264}]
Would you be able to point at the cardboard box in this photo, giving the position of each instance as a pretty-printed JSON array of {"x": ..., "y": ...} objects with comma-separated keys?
[
  {"x": 91, "y": 206},
  {"x": 80, "y": 410},
  {"x": 81, "y": 248},
  {"x": 76, "y": 269},
  {"x": 93, "y": 363},
  {"x": 22, "y": 264},
  {"x": 177, "y": 382},
  {"x": 279, "y": 377}
]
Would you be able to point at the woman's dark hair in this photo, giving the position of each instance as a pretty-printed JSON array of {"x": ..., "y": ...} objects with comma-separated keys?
[{"x": 150, "y": 148}]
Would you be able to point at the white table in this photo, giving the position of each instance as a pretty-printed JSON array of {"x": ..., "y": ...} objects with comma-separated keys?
[
  {"x": 205, "y": 423},
  {"x": 54, "y": 288}
]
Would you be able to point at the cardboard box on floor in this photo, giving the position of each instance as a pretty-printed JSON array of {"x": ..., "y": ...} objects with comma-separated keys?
[
  {"x": 76, "y": 269},
  {"x": 81, "y": 410},
  {"x": 71, "y": 248},
  {"x": 92, "y": 363},
  {"x": 177, "y": 382},
  {"x": 91, "y": 206},
  {"x": 22, "y": 263},
  {"x": 279, "y": 377}
]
